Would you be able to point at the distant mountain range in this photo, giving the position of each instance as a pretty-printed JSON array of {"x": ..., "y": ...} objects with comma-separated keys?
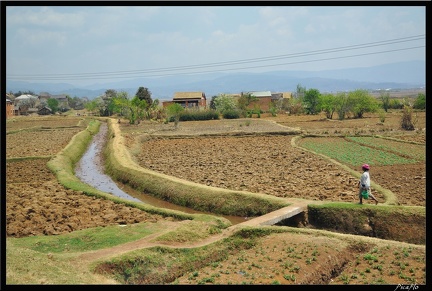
[{"x": 402, "y": 75}]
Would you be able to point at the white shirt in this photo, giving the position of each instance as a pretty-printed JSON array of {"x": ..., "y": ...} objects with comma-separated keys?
[{"x": 365, "y": 180}]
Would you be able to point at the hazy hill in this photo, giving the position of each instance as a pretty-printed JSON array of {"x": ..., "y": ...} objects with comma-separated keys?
[{"x": 402, "y": 75}]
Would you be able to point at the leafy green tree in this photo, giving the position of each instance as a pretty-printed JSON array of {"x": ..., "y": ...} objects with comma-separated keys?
[
  {"x": 174, "y": 110},
  {"x": 385, "y": 99},
  {"x": 311, "y": 101},
  {"x": 420, "y": 102},
  {"x": 342, "y": 105},
  {"x": 395, "y": 104},
  {"x": 132, "y": 109},
  {"x": 106, "y": 103},
  {"x": 212, "y": 103},
  {"x": 53, "y": 104},
  {"x": 139, "y": 108},
  {"x": 328, "y": 104},
  {"x": 91, "y": 106},
  {"x": 361, "y": 102},
  {"x": 144, "y": 94},
  {"x": 223, "y": 103},
  {"x": 121, "y": 103}
]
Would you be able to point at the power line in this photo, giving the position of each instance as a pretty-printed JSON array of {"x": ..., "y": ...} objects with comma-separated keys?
[{"x": 160, "y": 71}]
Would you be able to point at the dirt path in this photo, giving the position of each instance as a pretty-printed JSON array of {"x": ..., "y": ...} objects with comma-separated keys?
[{"x": 168, "y": 226}]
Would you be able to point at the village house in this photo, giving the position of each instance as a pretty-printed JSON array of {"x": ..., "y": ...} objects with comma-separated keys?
[
  {"x": 63, "y": 101},
  {"x": 281, "y": 95},
  {"x": 44, "y": 111},
  {"x": 263, "y": 102},
  {"x": 9, "y": 108},
  {"x": 196, "y": 100},
  {"x": 17, "y": 110},
  {"x": 44, "y": 96},
  {"x": 265, "y": 98},
  {"x": 25, "y": 98}
]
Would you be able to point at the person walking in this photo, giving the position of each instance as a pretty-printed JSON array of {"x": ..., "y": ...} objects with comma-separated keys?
[{"x": 364, "y": 184}]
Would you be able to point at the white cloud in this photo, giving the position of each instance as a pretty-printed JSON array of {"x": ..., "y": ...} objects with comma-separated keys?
[
  {"x": 119, "y": 38},
  {"x": 37, "y": 37}
]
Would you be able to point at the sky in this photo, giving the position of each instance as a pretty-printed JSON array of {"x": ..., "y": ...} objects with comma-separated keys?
[{"x": 91, "y": 44}]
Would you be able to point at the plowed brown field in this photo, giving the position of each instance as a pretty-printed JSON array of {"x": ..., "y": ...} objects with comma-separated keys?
[
  {"x": 36, "y": 204},
  {"x": 269, "y": 163}
]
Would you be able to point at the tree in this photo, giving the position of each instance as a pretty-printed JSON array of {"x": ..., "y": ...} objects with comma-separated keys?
[
  {"x": 53, "y": 104},
  {"x": 174, "y": 110},
  {"x": 75, "y": 102},
  {"x": 223, "y": 103},
  {"x": 420, "y": 102},
  {"x": 121, "y": 103},
  {"x": 155, "y": 111},
  {"x": 106, "y": 104},
  {"x": 295, "y": 106},
  {"x": 138, "y": 109},
  {"x": 341, "y": 105},
  {"x": 111, "y": 93},
  {"x": 91, "y": 106},
  {"x": 144, "y": 94},
  {"x": 385, "y": 99},
  {"x": 395, "y": 104},
  {"x": 300, "y": 92},
  {"x": 311, "y": 101},
  {"x": 361, "y": 102},
  {"x": 212, "y": 103},
  {"x": 29, "y": 92},
  {"x": 244, "y": 101},
  {"x": 328, "y": 104}
]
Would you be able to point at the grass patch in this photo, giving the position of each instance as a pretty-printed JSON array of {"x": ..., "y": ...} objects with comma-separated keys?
[
  {"x": 86, "y": 239},
  {"x": 353, "y": 153}
]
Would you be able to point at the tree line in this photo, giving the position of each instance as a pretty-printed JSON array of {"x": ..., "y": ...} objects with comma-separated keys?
[{"x": 352, "y": 104}]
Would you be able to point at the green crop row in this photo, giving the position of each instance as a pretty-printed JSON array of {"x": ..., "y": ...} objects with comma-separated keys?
[
  {"x": 352, "y": 153},
  {"x": 414, "y": 151}
]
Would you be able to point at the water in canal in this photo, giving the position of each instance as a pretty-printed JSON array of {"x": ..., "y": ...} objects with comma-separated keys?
[{"x": 90, "y": 170}]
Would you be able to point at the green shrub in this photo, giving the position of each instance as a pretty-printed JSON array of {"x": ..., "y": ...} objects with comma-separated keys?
[
  {"x": 231, "y": 114},
  {"x": 196, "y": 115}
]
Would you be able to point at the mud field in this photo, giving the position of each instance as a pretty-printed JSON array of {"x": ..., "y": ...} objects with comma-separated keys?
[
  {"x": 36, "y": 204},
  {"x": 267, "y": 164},
  {"x": 270, "y": 164}
]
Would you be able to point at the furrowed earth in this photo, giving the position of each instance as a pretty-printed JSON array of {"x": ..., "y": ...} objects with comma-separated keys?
[{"x": 203, "y": 152}]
